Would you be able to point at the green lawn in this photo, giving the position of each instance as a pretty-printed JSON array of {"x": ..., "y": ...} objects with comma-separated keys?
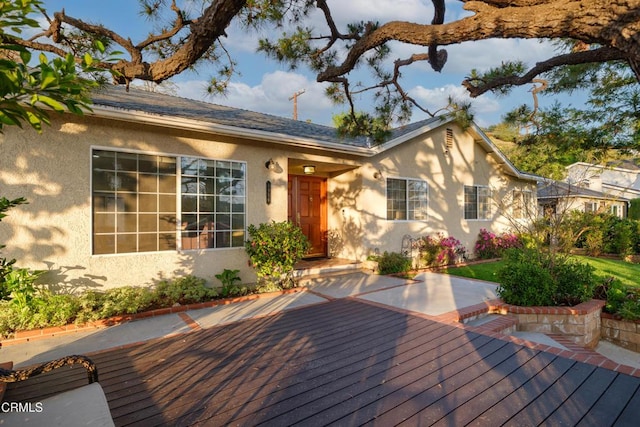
[{"x": 627, "y": 273}]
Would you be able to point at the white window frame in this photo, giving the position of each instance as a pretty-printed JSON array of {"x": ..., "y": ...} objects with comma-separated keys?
[
  {"x": 177, "y": 230},
  {"x": 419, "y": 212},
  {"x": 481, "y": 214}
]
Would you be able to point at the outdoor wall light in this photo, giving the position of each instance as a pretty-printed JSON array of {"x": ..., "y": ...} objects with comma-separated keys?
[
  {"x": 309, "y": 169},
  {"x": 270, "y": 164},
  {"x": 377, "y": 175}
]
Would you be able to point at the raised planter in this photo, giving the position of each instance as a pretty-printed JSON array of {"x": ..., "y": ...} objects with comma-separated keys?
[
  {"x": 580, "y": 323},
  {"x": 624, "y": 333}
]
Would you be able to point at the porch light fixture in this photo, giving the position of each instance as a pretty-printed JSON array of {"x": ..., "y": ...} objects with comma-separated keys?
[
  {"x": 270, "y": 164},
  {"x": 377, "y": 175},
  {"x": 309, "y": 169}
]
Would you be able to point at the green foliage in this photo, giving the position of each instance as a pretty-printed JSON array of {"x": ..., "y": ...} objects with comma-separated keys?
[
  {"x": 31, "y": 89},
  {"x": 490, "y": 245},
  {"x": 600, "y": 233},
  {"x": 392, "y": 263},
  {"x": 360, "y": 123},
  {"x": 125, "y": 300},
  {"x": 6, "y": 265},
  {"x": 273, "y": 250},
  {"x": 439, "y": 250},
  {"x": 508, "y": 68},
  {"x": 621, "y": 301},
  {"x": 534, "y": 278},
  {"x": 228, "y": 278},
  {"x": 524, "y": 282},
  {"x": 634, "y": 209},
  {"x": 182, "y": 290},
  {"x": 20, "y": 285}
]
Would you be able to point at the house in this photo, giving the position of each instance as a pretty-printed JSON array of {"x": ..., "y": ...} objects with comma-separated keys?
[
  {"x": 620, "y": 178},
  {"x": 150, "y": 186},
  {"x": 556, "y": 198}
]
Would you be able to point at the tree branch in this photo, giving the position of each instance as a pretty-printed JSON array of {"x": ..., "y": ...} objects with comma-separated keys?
[{"x": 477, "y": 87}]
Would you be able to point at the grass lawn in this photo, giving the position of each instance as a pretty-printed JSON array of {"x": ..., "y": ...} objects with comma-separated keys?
[{"x": 627, "y": 273}]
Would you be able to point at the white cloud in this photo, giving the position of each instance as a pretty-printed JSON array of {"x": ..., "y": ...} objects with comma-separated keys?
[
  {"x": 486, "y": 108},
  {"x": 270, "y": 96}
]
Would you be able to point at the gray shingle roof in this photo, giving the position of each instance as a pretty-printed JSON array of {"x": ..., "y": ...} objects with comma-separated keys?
[
  {"x": 167, "y": 105},
  {"x": 556, "y": 189}
]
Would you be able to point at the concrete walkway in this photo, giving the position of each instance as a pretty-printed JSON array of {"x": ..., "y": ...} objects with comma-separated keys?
[{"x": 429, "y": 293}]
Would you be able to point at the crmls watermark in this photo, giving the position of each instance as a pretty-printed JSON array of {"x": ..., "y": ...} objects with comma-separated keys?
[{"x": 21, "y": 407}]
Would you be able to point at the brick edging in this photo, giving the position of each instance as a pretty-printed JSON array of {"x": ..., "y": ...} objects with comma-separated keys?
[
  {"x": 583, "y": 308},
  {"x": 20, "y": 337}
]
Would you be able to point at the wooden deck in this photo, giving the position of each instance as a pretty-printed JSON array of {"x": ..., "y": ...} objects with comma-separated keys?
[{"x": 347, "y": 363}]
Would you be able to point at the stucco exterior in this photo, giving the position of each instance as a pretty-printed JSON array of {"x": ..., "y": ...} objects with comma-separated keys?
[
  {"x": 358, "y": 198},
  {"x": 54, "y": 172}
]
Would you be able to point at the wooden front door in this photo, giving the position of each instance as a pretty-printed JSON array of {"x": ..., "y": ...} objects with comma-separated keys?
[{"x": 308, "y": 210}]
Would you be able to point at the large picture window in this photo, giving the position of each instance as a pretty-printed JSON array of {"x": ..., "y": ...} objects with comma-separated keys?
[
  {"x": 139, "y": 205},
  {"x": 477, "y": 202},
  {"x": 406, "y": 199}
]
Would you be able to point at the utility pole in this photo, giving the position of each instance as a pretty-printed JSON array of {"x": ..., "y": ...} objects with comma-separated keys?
[{"x": 294, "y": 97}]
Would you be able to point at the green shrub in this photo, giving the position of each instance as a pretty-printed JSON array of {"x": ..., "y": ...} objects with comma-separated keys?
[
  {"x": 490, "y": 245},
  {"x": 393, "y": 263},
  {"x": 439, "y": 250},
  {"x": 55, "y": 309},
  {"x": 621, "y": 301},
  {"x": 228, "y": 278},
  {"x": 125, "y": 300},
  {"x": 523, "y": 281},
  {"x": 274, "y": 249},
  {"x": 575, "y": 282},
  {"x": 533, "y": 278},
  {"x": 182, "y": 290}
]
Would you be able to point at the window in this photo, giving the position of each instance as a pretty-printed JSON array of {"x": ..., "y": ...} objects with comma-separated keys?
[
  {"x": 591, "y": 207},
  {"x": 406, "y": 199},
  {"x": 213, "y": 203},
  {"x": 477, "y": 202},
  {"x": 521, "y": 204},
  {"x": 139, "y": 207}
]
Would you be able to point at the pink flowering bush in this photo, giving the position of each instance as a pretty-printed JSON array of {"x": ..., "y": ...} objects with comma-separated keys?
[
  {"x": 439, "y": 250},
  {"x": 490, "y": 245}
]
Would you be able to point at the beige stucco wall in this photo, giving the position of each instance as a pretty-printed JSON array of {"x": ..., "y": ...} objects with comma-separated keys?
[
  {"x": 53, "y": 232},
  {"x": 358, "y": 221}
]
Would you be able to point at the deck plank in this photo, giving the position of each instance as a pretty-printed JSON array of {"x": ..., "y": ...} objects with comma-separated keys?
[{"x": 345, "y": 362}]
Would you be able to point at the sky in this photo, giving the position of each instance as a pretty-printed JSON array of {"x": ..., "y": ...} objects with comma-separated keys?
[{"x": 266, "y": 86}]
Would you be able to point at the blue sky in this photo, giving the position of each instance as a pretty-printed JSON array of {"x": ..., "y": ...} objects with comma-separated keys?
[{"x": 266, "y": 86}]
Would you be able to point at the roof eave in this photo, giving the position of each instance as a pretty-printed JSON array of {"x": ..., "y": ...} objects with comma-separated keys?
[{"x": 218, "y": 129}]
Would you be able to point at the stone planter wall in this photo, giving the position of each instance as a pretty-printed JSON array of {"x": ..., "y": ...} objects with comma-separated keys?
[
  {"x": 624, "y": 333},
  {"x": 580, "y": 323}
]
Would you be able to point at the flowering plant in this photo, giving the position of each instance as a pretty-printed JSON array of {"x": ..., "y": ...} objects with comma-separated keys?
[
  {"x": 439, "y": 250},
  {"x": 490, "y": 245}
]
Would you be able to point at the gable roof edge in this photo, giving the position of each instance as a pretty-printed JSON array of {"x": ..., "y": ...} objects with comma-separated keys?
[{"x": 174, "y": 122}]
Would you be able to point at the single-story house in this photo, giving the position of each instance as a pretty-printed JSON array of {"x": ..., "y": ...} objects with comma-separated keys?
[
  {"x": 556, "y": 198},
  {"x": 150, "y": 186},
  {"x": 617, "y": 178}
]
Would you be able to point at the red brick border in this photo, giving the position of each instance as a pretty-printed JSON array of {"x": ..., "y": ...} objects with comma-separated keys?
[{"x": 33, "y": 334}]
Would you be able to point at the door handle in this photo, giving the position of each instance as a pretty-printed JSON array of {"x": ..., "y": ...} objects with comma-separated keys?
[{"x": 298, "y": 218}]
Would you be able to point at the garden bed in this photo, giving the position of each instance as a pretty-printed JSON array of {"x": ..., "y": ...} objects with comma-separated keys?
[
  {"x": 624, "y": 333},
  {"x": 22, "y": 336},
  {"x": 581, "y": 323}
]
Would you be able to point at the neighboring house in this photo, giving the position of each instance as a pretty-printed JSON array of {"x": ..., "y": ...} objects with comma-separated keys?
[
  {"x": 555, "y": 198},
  {"x": 619, "y": 178},
  {"x": 150, "y": 186}
]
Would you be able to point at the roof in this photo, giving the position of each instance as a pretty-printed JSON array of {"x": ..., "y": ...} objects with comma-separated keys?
[
  {"x": 167, "y": 105},
  {"x": 628, "y": 165},
  {"x": 159, "y": 109},
  {"x": 556, "y": 189}
]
